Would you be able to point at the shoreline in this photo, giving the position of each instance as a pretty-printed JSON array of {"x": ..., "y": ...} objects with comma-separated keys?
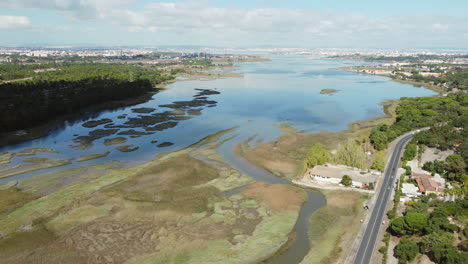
[
  {"x": 428, "y": 86},
  {"x": 354, "y": 128},
  {"x": 36, "y": 132},
  {"x": 336, "y": 249},
  {"x": 277, "y": 219}
]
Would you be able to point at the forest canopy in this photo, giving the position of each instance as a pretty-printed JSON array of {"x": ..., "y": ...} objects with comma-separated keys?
[{"x": 66, "y": 88}]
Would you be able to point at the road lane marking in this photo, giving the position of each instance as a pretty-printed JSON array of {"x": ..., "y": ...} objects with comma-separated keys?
[{"x": 388, "y": 179}]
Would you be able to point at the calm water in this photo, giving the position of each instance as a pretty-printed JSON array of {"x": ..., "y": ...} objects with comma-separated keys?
[{"x": 284, "y": 90}]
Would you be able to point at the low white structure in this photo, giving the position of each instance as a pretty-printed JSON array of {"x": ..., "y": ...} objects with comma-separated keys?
[
  {"x": 332, "y": 174},
  {"x": 410, "y": 190}
]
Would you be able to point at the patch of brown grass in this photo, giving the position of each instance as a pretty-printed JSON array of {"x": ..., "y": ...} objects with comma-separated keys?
[
  {"x": 278, "y": 197},
  {"x": 286, "y": 156},
  {"x": 172, "y": 183},
  {"x": 333, "y": 228},
  {"x": 13, "y": 198}
]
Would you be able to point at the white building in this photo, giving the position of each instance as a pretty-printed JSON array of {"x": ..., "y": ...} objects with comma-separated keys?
[
  {"x": 332, "y": 174},
  {"x": 410, "y": 190}
]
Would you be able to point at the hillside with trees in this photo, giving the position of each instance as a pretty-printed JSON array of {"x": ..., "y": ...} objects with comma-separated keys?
[
  {"x": 447, "y": 118},
  {"x": 430, "y": 225},
  {"x": 67, "y": 88}
]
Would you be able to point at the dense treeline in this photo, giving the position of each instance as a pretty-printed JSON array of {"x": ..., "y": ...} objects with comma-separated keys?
[
  {"x": 70, "y": 88},
  {"x": 447, "y": 118},
  {"x": 425, "y": 228},
  {"x": 19, "y": 71},
  {"x": 455, "y": 79}
]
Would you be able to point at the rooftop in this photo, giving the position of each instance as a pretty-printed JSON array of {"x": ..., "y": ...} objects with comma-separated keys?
[
  {"x": 338, "y": 171},
  {"x": 426, "y": 182}
]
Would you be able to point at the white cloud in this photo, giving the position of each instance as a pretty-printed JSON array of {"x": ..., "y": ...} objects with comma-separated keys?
[
  {"x": 200, "y": 22},
  {"x": 11, "y": 22},
  {"x": 75, "y": 9}
]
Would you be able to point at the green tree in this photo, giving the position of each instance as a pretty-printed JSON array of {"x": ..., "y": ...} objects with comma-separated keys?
[
  {"x": 379, "y": 139},
  {"x": 398, "y": 226},
  {"x": 346, "y": 180},
  {"x": 412, "y": 223},
  {"x": 379, "y": 161},
  {"x": 406, "y": 250},
  {"x": 415, "y": 222},
  {"x": 350, "y": 154},
  {"x": 317, "y": 155},
  {"x": 448, "y": 254},
  {"x": 432, "y": 240},
  {"x": 410, "y": 152},
  {"x": 455, "y": 164}
]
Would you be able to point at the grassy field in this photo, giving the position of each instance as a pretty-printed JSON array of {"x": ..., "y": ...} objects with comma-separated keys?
[
  {"x": 229, "y": 178},
  {"x": 278, "y": 219},
  {"x": 334, "y": 227},
  {"x": 165, "y": 211}
]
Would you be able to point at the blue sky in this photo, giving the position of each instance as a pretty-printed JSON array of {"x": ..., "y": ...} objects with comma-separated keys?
[{"x": 279, "y": 23}]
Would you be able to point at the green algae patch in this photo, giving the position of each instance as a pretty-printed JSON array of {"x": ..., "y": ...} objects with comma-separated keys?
[
  {"x": 34, "y": 151},
  {"x": 115, "y": 141},
  {"x": 328, "y": 91},
  {"x": 288, "y": 127},
  {"x": 33, "y": 164},
  {"x": 93, "y": 156},
  {"x": 165, "y": 144},
  {"x": 127, "y": 148},
  {"x": 5, "y": 158},
  {"x": 162, "y": 126}
]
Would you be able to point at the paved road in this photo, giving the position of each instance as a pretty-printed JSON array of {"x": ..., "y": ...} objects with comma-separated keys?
[{"x": 366, "y": 248}]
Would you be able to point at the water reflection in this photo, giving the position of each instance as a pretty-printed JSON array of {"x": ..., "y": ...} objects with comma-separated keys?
[{"x": 285, "y": 89}]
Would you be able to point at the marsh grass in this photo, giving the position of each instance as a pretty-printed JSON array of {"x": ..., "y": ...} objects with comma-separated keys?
[
  {"x": 114, "y": 141},
  {"x": 333, "y": 227},
  {"x": 33, "y": 164},
  {"x": 286, "y": 156},
  {"x": 93, "y": 156},
  {"x": 127, "y": 148},
  {"x": 12, "y": 198},
  {"x": 173, "y": 184}
]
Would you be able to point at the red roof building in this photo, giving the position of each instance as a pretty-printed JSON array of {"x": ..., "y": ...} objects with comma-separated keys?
[{"x": 426, "y": 183}]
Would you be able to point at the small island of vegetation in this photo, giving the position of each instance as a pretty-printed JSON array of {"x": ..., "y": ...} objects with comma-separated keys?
[{"x": 328, "y": 91}]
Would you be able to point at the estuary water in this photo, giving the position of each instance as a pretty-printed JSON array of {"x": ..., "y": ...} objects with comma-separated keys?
[{"x": 285, "y": 90}]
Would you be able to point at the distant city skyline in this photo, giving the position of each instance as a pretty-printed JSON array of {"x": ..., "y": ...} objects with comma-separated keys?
[{"x": 310, "y": 24}]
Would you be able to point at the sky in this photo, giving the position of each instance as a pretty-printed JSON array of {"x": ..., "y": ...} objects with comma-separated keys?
[{"x": 395, "y": 24}]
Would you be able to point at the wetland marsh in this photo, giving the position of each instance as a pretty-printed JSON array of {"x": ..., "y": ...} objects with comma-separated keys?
[{"x": 161, "y": 172}]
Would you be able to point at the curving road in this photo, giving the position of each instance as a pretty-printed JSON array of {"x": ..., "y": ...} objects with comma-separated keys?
[{"x": 366, "y": 248}]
